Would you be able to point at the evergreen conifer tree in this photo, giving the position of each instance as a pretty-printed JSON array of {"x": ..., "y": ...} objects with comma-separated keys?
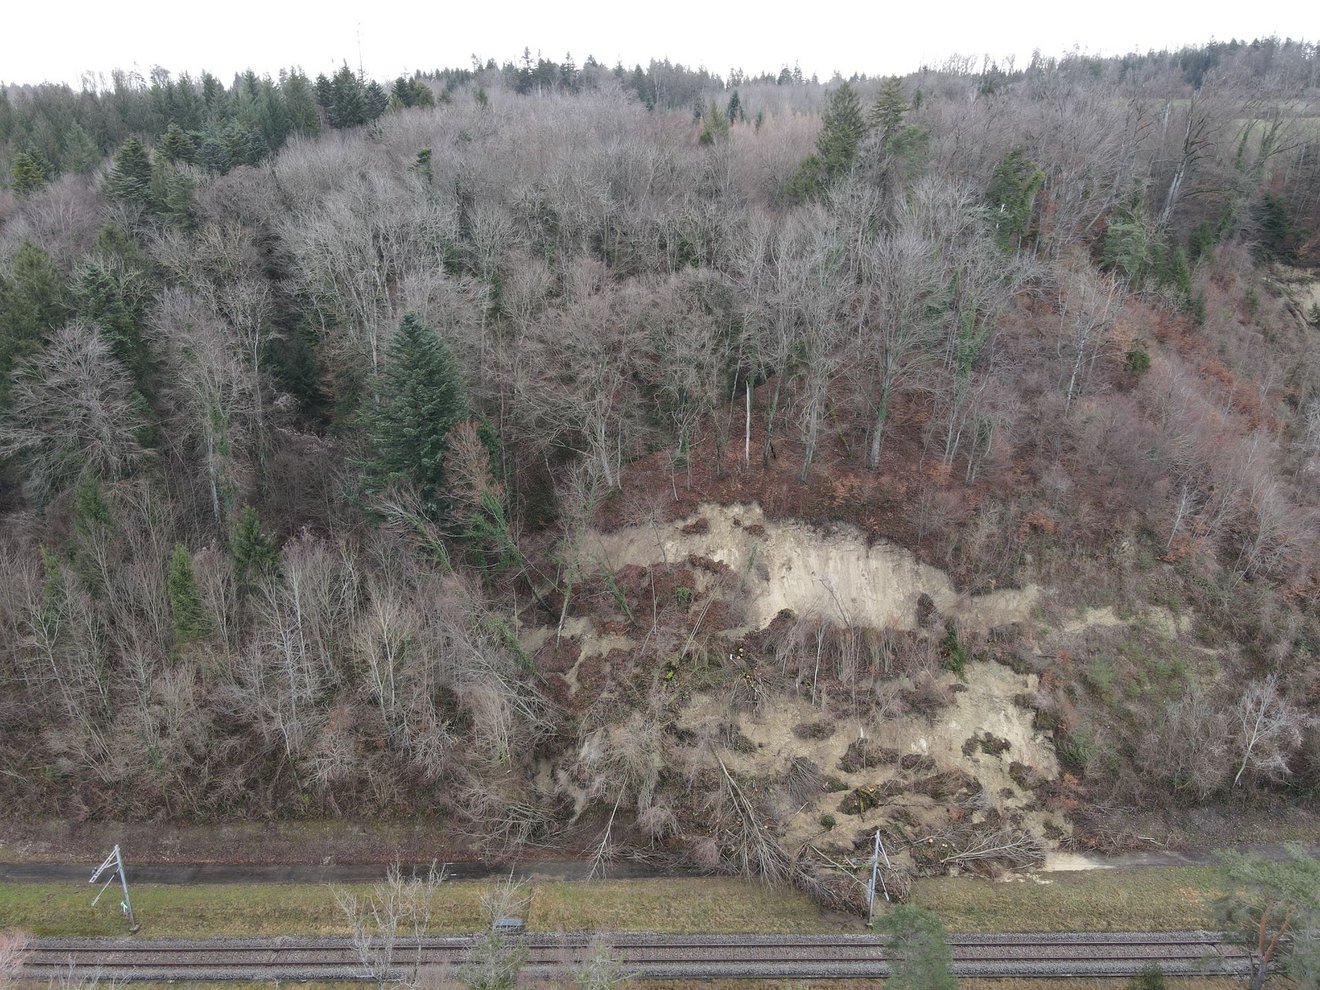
[
  {"x": 294, "y": 361},
  {"x": 888, "y": 110},
  {"x": 91, "y": 521},
  {"x": 419, "y": 398},
  {"x": 1012, "y": 195},
  {"x": 715, "y": 126},
  {"x": 422, "y": 166},
  {"x": 185, "y": 599},
  {"x": 213, "y": 152},
  {"x": 177, "y": 145},
  {"x": 90, "y": 510},
  {"x": 300, "y": 105},
  {"x": 28, "y": 172},
  {"x": 33, "y": 301},
  {"x": 401, "y": 93},
  {"x": 130, "y": 179},
  {"x": 346, "y": 100},
  {"x": 81, "y": 154},
  {"x": 841, "y": 133},
  {"x": 375, "y": 101},
  {"x": 101, "y": 299},
  {"x": 252, "y": 549},
  {"x": 734, "y": 111}
]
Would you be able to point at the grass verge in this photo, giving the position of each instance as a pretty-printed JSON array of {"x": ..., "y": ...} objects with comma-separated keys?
[
  {"x": 1151, "y": 899},
  {"x": 687, "y": 905},
  {"x": 1146, "y": 899}
]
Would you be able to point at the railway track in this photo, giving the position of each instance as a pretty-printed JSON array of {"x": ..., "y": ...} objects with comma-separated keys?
[{"x": 640, "y": 956}]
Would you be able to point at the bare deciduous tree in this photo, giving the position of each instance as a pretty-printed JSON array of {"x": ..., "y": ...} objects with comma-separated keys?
[
  {"x": 387, "y": 923},
  {"x": 1268, "y": 729},
  {"x": 73, "y": 412}
]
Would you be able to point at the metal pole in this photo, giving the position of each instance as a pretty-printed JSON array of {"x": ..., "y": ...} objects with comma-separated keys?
[
  {"x": 128, "y": 904},
  {"x": 876, "y": 853},
  {"x": 888, "y": 866},
  {"x": 870, "y": 887}
]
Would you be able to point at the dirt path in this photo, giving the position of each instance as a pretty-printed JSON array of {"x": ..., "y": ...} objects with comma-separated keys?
[
  {"x": 549, "y": 869},
  {"x": 304, "y": 873}
]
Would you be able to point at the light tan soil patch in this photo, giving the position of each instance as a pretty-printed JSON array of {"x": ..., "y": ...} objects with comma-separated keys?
[
  {"x": 987, "y": 705},
  {"x": 834, "y": 575}
]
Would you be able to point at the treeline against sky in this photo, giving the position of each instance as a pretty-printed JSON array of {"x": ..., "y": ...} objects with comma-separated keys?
[{"x": 243, "y": 123}]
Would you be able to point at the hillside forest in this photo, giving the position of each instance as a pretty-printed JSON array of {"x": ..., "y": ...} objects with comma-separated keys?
[{"x": 336, "y": 415}]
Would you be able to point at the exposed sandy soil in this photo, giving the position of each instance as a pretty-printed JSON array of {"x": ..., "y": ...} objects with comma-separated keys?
[
  {"x": 986, "y": 705},
  {"x": 833, "y": 574},
  {"x": 1301, "y": 286},
  {"x": 1157, "y": 617}
]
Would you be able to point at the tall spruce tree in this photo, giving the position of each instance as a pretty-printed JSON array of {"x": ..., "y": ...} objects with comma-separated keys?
[
  {"x": 28, "y": 172},
  {"x": 177, "y": 145},
  {"x": 888, "y": 110},
  {"x": 734, "y": 111},
  {"x": 252, "y": 549},
  {"x": 1012, "y": 195},
  {"x": 714, "y": 127},
  {"x": 300, "y": 105},
  {"x": 346, "y": 108},
  {"x": 375, "y": 101},
  {"x": 419, "y": 398},
  {"x": 841, "y": 133},
  {"x": 33, "y": 302},
  {"x": 130, "y": 178},
  {"x": 104, "y": 298},
  {"x": 185, "y": 599},
  {"x": 81, "y": 153}
]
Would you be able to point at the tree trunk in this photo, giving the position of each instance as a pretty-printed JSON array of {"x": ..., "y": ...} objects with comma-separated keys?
[{"x": 747, "y": 433}]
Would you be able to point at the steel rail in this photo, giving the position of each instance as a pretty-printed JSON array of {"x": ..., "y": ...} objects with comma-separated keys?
[{"x": 644, "y": 956}]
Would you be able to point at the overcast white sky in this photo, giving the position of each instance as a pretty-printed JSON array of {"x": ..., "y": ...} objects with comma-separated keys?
[{"x": 59, "y": 40}]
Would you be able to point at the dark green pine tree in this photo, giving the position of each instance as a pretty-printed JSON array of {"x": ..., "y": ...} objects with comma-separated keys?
[
  {"x": 213, "y": 153},
  {"x": 28, "y": 172},
  {"x": 841, "y": 133},
  {"x": 185, "y": 599},
  {"x": 422, "y": 95},
  {"x": 419, "y": 399},
  {"x": 325, "y": 93},
  {"x": 889, "y": 109},
  {"x": 102, "y": 299},
  {"x": 90, "y": 511},
  {"x": 734, "y": 111},
  {"x": 422, "y": 166},
  {"x": 293, "y": 358},
  {"x": 81, "y": 153},
  {"x": 401, "y": 94},
  {"x": 177, "y": 145},
  {"x": 346, "y": 99},
  {"x": 375, "y": 101},
  {"x": 1012, "y": 196},
  {"x": 176, "y": 197},
  {"x": 33, "y": 302},
  {"x": 300, "y": 105},
  {"x": 252, "y": 549},
  {"x": 91, "y": 525},
  {"x": 714, "y": 126},
  {"x": 130, "y": 178}
]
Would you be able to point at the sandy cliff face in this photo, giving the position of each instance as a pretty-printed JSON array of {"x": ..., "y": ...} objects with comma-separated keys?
[{"x": 836, "y": 575}]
